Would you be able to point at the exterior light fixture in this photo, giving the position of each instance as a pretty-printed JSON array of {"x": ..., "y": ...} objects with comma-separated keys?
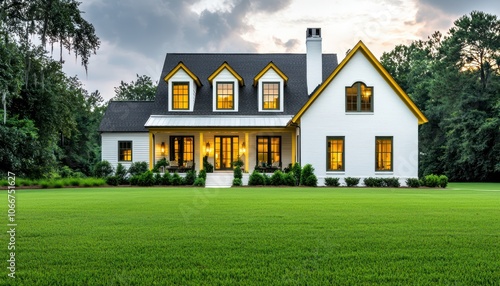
[
  {"x": 207, "y": 148},
  {"x": 162, "y": 148}
]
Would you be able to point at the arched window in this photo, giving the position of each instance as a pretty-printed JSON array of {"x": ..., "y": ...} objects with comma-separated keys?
[{"x": 359, "y": 98}]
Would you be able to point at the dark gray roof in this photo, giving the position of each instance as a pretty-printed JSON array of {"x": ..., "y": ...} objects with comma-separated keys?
[
  {"x": 247, "y": 66},
  {"x": 126, "y": 116}
]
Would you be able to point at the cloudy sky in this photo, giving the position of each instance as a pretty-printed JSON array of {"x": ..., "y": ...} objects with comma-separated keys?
[{"x": 136, "y": 35}]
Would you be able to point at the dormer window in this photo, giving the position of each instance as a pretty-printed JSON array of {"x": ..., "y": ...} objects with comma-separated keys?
[
  {"x": 225, "y": 82},
  {"x": 182, "y": 88},
  {"x": 270, "y": 82},
  {"x": 270, "y": 96},
  {"x": 225, "y": 96},
  {"x": 180, "y": 92}
]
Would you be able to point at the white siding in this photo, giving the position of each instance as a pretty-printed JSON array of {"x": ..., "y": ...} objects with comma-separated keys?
[
  {"x": 391, "y": 117},
  {"x": 140, "y": 147}
]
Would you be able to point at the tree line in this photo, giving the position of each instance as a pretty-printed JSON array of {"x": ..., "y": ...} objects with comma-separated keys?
[
  {"x": 52, "y": 121},
  {"x": 455, "y": 80}
]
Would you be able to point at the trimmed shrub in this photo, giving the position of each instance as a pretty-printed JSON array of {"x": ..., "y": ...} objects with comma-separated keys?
[
  {"x": 190, "y": 178},
  {"x": 373, "y": 182},
  {"x": 158, "y": 179},
  {"x": 443, "y": 181},
  {"x": 112, "y": 180},
  {"x": 332, "y": 182},
  {"x": 237, "y": 182},
  {"x": 121, "y": 173},
  {"x": 176, "y": 180},
  {"x": 256, "y": 179},
  {"x": 391, "y": 182},
  {"x": 238, "y": 174},
  {"x": 74, "y": 182},
  {"x": 146, "y": 179},
  {"x": 289, "y": 179},
  {"x": 297, "y": 171},
  {"x": 267, "y": 179},
  {"x": 138, "y": 168},
  {"x": 413, "y": 182},
  {"x": 103, "y": 169},
  {"x": 277, "y": 178},
  {"x": 202, "y": 174},
  {"x": 307, "y": 177},
  {"x": 134, "y": 180},
  {"x": 199, "y": 182},
  {"x": 311, "y": 181},
  {"x": 307, "y": 171},
  {"x": 431, "y": 181},
  {"x": 209, "y": 168},
  {"x": 351, "y": 182},
  {"x": 166, "y": 179}
]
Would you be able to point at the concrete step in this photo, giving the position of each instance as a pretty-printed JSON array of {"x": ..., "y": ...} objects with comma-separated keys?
[{"x": 219, "y": 180}]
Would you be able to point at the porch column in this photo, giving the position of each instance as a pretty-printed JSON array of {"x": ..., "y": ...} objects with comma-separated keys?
[
  {"x": 151, "y": 150},
  {"x": 202, "y": 152},
  {"x": 294, "y": 147},
  {"x": 246, "y": 152}
]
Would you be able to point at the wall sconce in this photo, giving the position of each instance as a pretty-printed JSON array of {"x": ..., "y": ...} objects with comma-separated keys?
[
  {"x": 243, "y": 147},
  {"x": 207, "y": 148},
  {"x": 162, "y": 148}
]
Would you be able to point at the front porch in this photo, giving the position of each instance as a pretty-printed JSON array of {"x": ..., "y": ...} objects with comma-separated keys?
[{"x": 263, "y": 148}]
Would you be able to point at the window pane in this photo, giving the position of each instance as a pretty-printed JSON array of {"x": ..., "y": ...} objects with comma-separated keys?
[
  {"x": 335, "y": 153},
  {"x": 366, "y": 98},
  {"x": 225, "y": 96},
  {"x": 352, "y": 98},
  {"x": 268, "y": 150},
  {"x": 270, "y": 96},
  {"x": 383, "y": 154},
  {"x": 125, "y": 150},
  {"x": 180, "y": 98}
]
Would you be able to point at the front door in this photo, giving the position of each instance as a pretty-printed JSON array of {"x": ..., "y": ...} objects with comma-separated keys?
[{"x": 226, "y": 152}]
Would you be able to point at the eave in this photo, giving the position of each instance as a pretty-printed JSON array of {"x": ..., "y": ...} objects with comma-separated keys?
[
  {"x": 182, "y": 66},
  {"x": 271, "y": 65},
  {"x": 226, "y": 66}
]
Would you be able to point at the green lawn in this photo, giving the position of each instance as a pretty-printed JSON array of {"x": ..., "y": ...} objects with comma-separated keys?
[{"x": 284, "y": 236}]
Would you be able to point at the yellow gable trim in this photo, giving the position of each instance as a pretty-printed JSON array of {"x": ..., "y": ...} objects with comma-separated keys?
[
  {"x": 380, "y": 69},
  {"x": 182, "y": 66},
  {"x": 269, "y": 66},
  {"x": 225, "y": 65}
]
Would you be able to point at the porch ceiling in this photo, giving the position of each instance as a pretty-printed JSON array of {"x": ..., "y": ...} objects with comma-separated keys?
[{"x": 217, "y": 121}]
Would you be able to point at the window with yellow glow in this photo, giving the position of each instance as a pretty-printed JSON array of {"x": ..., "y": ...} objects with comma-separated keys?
[
  {"x": 335, "y": 154},
  {"x": 268, "y": 150},
  {"x": 225, "y": 95},
  {"x": 125, "y": 151},
  {"x": 383, "y": 154},
  {"x": 359, "y": 98},
  {"x": 270, "y": 96},
  {"x": 180, "y": 96},
  {"x": 182, "y": 149}
]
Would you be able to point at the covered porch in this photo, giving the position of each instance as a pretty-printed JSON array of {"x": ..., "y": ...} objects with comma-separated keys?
[{"x": 264, "y": 147}]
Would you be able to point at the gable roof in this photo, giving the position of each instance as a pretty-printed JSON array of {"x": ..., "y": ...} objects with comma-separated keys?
[
  {"x": 203, "y": 66},
  {"x": 126, "y": 116},
  {"x": 269, "y": 66},
  {"x": 182, "y": 66},
  {"x": 226, "y": 66},
  {"x": 360, "y": 47}
]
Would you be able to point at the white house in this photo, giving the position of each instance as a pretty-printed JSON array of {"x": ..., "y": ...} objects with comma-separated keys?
[{"x": 347, "y": 120}]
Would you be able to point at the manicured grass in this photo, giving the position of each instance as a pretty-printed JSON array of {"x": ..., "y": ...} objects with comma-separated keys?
[{"x": 262, "y": 236}]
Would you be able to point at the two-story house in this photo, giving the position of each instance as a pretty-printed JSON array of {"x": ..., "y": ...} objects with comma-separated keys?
[{"x": 347, "y": 120}]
